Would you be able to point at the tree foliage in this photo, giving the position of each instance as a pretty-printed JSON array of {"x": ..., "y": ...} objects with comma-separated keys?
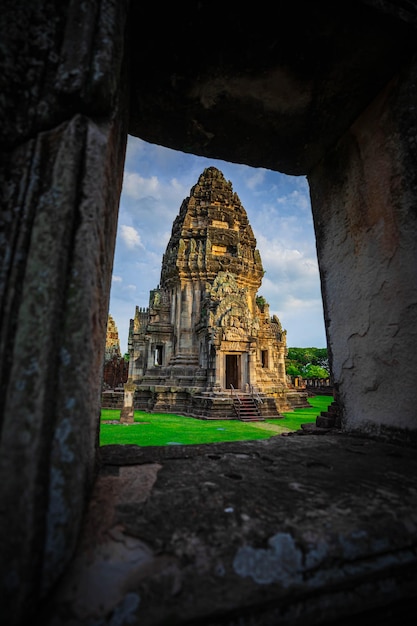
[
  {"x": 293, "y": 370},
  {"x": 307, "y": 362}
]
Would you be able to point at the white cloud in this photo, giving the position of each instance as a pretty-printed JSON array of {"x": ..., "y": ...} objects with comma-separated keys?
[
  {"x": 294, "y": 303},
  {"x": 286, "y": 263},
  {"x": 136, "y": 186},
  {"x": 117, "y": 279},
  {"x": 296, "y": 200},
  {"x": 255, "y": 178},
  {"x": 130, "y": 236}
]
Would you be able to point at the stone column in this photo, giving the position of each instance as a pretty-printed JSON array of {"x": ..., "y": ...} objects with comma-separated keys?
[
  {"x": 186, "y": 317},
  {"x": 220, "y": 370},
  {"x": 252, "y": 364},
  {"x": 244, "y": 375},
  {"x": 61, "y": 175},
  {"x": 364, "y": 198}
]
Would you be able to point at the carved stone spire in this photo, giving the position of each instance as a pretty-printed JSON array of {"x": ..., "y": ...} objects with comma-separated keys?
[{"x": 211, "y": 234}]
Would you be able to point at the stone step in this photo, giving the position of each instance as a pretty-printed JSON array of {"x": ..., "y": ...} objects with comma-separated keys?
[
  {"x": 332, "y": 408},
  {"x": 247, "y": 409},
  {"x": 325, "y": 421},
  {"x": 252, "y": 419},
  {"x": 329, "y": 418}
]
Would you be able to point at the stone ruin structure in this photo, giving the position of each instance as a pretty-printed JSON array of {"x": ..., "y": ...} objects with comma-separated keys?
[
  {"x": 303, "y": 529},
  {"x": 112, "y": 348},
  {"x": 206, "y": 346},
  {"x": 115, "y": 369}
]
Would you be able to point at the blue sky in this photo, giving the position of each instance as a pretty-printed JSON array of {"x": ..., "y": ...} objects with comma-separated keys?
[{"x": 157, "y": 179}]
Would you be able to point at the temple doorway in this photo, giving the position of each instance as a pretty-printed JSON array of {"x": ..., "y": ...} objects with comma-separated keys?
[{"x": 233, "y": 371}]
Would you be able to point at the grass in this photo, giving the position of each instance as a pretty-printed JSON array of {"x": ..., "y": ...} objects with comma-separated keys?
[{"x": 161, "y": 429}]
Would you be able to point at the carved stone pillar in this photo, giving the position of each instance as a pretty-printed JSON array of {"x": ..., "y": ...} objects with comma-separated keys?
[
  {"x": 61, "y": 174},
  {"x": 252, "y": 364}
]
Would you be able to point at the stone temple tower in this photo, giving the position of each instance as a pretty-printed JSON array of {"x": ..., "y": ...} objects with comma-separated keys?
[
  {"x": 112, "y": 340},
  {"x": 206, "y": 345}
]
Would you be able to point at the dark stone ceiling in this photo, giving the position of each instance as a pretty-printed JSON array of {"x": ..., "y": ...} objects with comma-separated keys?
[{"x": 266, "y": 87}]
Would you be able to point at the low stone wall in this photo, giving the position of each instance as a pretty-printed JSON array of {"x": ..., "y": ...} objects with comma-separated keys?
[
  {"x": 297, "y": 399},
  {"x": 319, "y": 390},
  {"x": 112, "y": 399}
]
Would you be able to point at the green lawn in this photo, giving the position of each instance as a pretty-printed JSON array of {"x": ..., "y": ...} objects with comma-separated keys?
[{"x": 160, "y": 429}]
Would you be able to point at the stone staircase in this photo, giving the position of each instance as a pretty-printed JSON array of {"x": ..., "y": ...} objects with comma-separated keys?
[
  {"x": 325, "y": 421},
  {"x": 246, "y": 408},
  {"x": 329, "y": 418}
]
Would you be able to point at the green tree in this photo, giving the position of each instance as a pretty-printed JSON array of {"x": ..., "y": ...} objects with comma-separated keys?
[
  {"x": 314, "y": 371},
  {"x": 293, "y": 371},
  {"x": 310, "y": 362}
]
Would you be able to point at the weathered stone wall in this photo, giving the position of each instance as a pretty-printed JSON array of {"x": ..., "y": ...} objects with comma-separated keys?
[
  {"x": 364, "y": 197},
  {"x": 115, "y": 373},
  {"x": 112, "y": 400}
]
